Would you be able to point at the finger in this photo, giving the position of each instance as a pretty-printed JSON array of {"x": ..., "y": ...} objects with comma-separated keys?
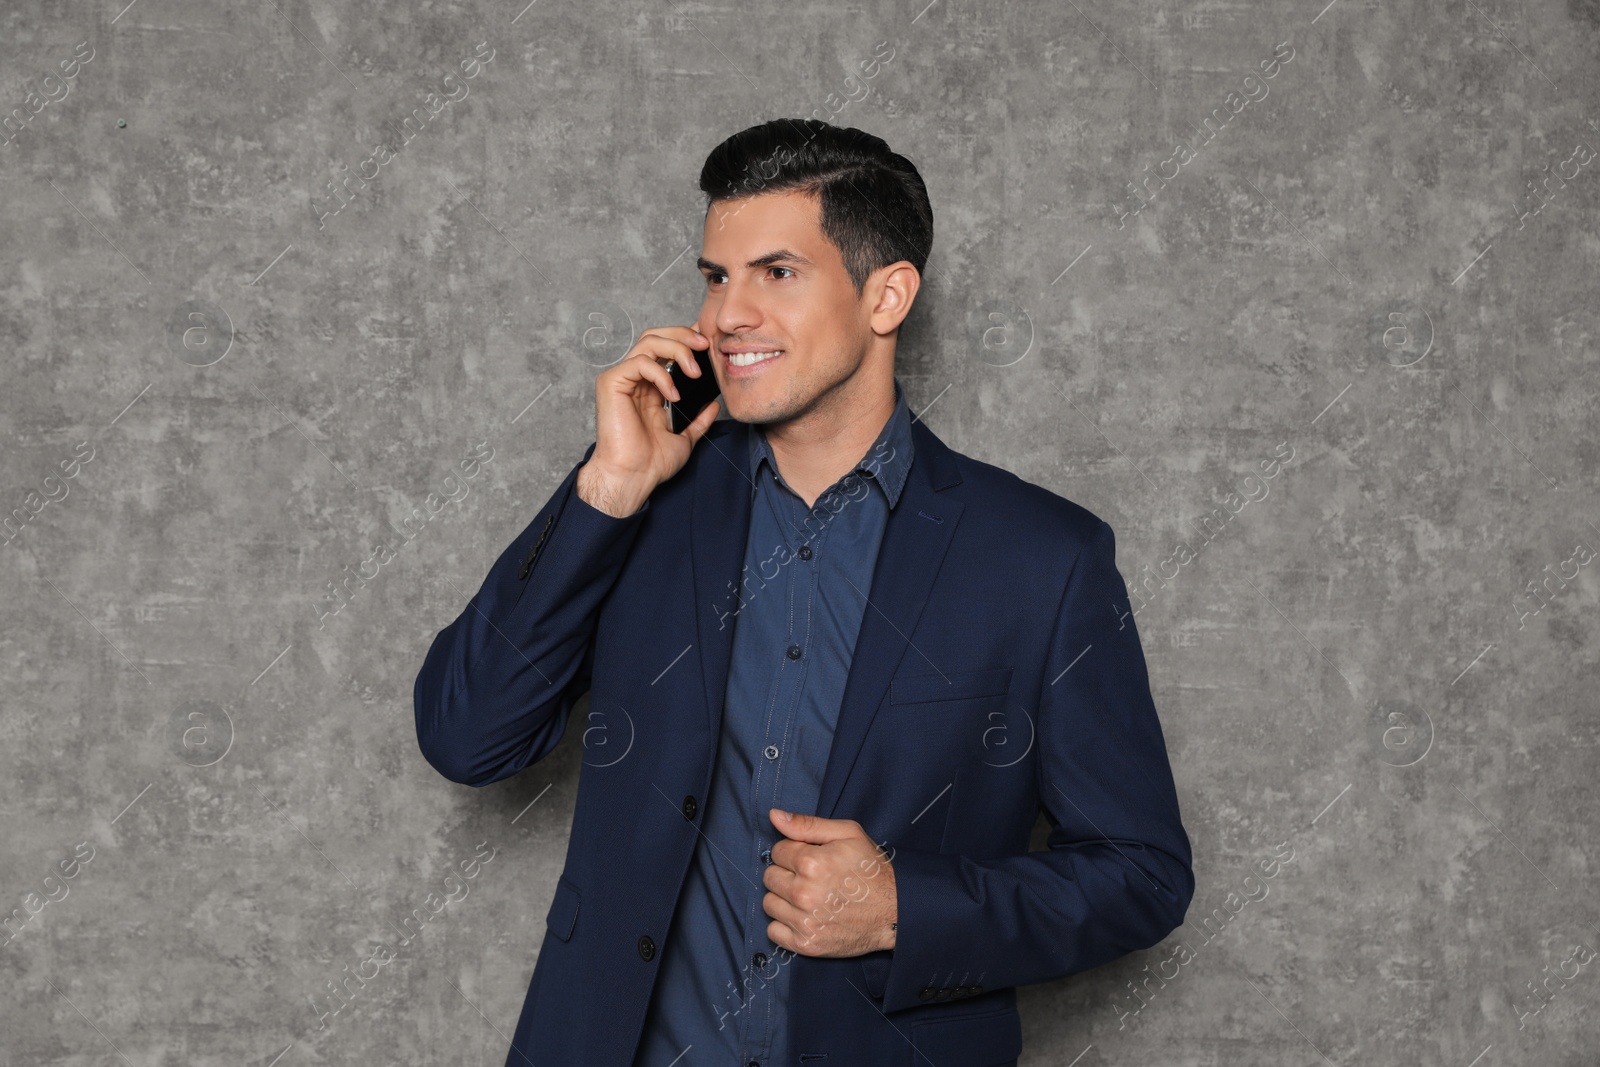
[
  {"x": 686, "y": 338},
  {"x": 786, "y": 854},
  {"x": 674, "y": 333},
  {"x": 691, "y": 355},
  {"x": 797, "y": 944},
  {"x": 779, "y": 935},
  {"x": 815, "y": 931},
  {"x": 780, "y": 880},
  {"x": 702, "y": 422},
  {"x": 801, "y": 926},
  {"x": 814, "y": 828},
  {"x": 697, "y": 344},
  {"x": 645, "y": 366},
  {"x": 786, "y": 939}
]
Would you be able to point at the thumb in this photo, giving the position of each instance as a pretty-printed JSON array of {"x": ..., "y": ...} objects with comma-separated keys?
[
  {"x": 702, "y": 423},
  {"x": 813, "y": 829}
]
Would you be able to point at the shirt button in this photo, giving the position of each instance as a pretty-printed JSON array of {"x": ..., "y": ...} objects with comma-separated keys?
[
  {"x": 805, "y": 552},
  {"x": 766, "y": 855},
  {"x": 771, "y": 751},
  {"x": 794, "y": 651},
  {"x": 759, "y": 959}
]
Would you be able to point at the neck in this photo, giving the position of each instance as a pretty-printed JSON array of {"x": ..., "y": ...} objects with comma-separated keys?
[{"x": 818, "y": 451}]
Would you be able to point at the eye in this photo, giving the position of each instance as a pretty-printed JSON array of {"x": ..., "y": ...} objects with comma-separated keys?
[{"x": 715, "y": 277}]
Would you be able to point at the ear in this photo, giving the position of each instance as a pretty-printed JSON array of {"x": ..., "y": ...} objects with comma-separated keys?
[{"x": 890, "y": 292}]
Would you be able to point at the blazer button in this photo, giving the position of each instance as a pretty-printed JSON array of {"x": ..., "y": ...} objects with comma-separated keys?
[
  {"x": 689, "y": 807},
  {"x": 926, "y": 993},
  {"x": 647, "y": 948}
]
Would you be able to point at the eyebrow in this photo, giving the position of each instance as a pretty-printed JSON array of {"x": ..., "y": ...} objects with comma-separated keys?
[{"x": 762, "y": 261}]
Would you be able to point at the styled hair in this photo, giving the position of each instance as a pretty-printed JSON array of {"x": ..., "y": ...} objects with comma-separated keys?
[{"x": 874, "y": 206}]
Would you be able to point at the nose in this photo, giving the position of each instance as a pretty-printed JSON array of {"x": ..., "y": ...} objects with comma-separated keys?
[{"x": 736, "y": 311}]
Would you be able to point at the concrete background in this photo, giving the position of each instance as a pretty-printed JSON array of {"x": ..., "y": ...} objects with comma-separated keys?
[{"x": 249, "y": 386}]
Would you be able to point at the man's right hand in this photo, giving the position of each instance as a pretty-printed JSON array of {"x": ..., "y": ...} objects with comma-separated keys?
[{"x": 635, "y": 448}]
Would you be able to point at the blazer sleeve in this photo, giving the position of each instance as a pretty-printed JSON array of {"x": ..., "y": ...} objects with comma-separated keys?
[
  {"x": 1117, "y": 874},
  {"x": 496, "y": 687}
]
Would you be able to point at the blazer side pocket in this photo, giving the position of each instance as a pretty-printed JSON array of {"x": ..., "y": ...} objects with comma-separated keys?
[
  {"x": 990, "y": 1039},
  {"x": 563, "y": 914}
]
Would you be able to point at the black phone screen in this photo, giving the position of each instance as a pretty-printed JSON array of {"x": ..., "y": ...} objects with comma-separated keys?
[{"x": 695, "y": 393}]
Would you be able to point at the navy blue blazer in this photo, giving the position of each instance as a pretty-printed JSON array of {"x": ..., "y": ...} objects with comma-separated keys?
[{"x": 997, "y": 674}]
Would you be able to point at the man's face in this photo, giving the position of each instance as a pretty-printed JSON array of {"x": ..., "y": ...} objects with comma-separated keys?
[{"x": 775, "y": 282}]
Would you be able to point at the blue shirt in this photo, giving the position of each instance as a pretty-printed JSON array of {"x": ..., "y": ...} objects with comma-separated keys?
[{"x": 722, "y": 990}]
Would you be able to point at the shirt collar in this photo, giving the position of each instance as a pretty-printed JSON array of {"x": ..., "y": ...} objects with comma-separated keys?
[{"x": 887, "y": 462}]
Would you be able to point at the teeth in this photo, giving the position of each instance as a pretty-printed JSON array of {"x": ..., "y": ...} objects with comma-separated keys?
[{"x": 749, "y": 359}]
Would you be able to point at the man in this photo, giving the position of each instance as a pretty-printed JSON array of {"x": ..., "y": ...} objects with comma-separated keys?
[{"x": 836, "y": 670}]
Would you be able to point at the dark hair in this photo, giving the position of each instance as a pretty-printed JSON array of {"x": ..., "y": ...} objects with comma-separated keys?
[{"x": 874, "y": 206}]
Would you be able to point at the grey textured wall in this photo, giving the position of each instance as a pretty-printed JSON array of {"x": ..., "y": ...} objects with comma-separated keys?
[{"x": 233, "y": 367}]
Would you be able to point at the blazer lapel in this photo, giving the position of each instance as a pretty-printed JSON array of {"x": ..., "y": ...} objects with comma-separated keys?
[
  {"x": 915, "y": 538},
  {"x": 717, "y": 535}
]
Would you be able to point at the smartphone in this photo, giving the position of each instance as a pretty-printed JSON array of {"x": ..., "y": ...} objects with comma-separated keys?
[{"x": 695, "y": 393}]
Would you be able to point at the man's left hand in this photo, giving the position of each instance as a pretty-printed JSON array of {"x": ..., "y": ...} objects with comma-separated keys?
[{"x": 831, "y": 889}]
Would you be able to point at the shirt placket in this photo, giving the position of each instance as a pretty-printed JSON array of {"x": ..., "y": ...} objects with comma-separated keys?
[{"x": 779, "y": 741}]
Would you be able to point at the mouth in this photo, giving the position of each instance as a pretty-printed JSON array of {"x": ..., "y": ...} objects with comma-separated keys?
[{"x": 744, "y": 364}]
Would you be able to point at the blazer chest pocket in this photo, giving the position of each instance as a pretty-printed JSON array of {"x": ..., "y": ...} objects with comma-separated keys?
[
  {"x": 563, "y": 914},
  {"x": 957, "y": 685}
]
